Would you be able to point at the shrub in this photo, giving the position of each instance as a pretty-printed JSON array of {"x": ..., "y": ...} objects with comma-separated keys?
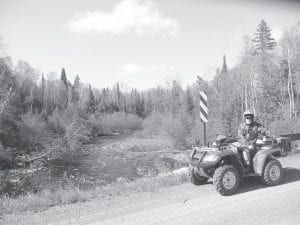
[
  {"x": 71, "y": 124},
  {"x": 117, "y": 122},
  {"x": 285, "y": 126},
  {"x": 5, "y": 159},
  {"x": 60, "y": 122},
  {"x": 55, "y": 124},
  {"x": 33, "y": 130},
  {"x": 153, "y": 123},
  {"x": 178, "y": 127}
]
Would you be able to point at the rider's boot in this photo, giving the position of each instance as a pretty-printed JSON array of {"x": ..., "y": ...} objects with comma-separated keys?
[{"x": 246, "y": 157}]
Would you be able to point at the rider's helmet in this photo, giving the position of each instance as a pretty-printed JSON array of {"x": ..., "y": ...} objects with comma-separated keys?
[{"x": 248, "y": 116}]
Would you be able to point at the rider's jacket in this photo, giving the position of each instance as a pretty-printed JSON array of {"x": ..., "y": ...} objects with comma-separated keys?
[{"x": 248, "y": 134}]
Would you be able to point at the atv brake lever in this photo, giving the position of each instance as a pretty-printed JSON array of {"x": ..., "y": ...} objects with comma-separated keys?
[
  {"x": 202, "y": 156},
  {"x": 193, "y": 153}
]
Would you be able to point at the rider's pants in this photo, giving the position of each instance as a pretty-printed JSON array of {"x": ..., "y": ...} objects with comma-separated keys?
[
  {"x": 246, "y": 156},
  {"x": 248, "y": 153}
]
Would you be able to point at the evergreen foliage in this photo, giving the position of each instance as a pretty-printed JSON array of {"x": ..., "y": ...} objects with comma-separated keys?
[
  {"x": 224, "y": 66},
  {"x": 263, "y": 38},
  {"x": 63, "y": 77},
  {"x": 91, "y": 101}
]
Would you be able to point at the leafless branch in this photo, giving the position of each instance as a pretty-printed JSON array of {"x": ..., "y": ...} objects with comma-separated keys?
[
  {"x": 4, "y": 113},
  {"x": 76, "y": 132}
]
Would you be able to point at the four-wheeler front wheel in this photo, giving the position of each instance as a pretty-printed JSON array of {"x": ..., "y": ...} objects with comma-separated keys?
[
  {"x": 196, "y": 179},
  {"x": 226, "y": 179},
  {"x": 272, "y": 173}
]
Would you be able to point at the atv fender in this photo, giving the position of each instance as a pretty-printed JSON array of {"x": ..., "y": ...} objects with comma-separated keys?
[
  {"x": 260, "y": 159},
  {"x": 235, "y": 161}
]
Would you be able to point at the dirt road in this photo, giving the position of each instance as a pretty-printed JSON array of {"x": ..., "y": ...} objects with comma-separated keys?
[{"x": 248, "y": 208}]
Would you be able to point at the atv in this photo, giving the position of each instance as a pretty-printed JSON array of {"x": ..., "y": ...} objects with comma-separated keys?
[{"x": 222, "y": 161}]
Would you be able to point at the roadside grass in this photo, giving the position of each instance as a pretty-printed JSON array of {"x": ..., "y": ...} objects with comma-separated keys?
[{"x": 47, "y": 198}]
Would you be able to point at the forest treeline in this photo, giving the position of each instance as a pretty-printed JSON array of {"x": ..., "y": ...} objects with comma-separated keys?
[{"x": 37, "y": 111}]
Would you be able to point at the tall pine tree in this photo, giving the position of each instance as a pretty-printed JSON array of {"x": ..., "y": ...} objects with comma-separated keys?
[
  {"x": 63, "y": 90},
  {"x": 63, "y": 77},
  {"x": 91, "y": 101},
  {"x": 119, "y": 96},
  {"x": 44, "y": 98},
  {"x": 224, "y": 66},
  {"x": 76, "y": 89},
  {"x": 263, "y": 40}
]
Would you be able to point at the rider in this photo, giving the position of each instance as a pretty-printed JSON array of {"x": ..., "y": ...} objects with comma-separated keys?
[{"x": 248, "y": 133}]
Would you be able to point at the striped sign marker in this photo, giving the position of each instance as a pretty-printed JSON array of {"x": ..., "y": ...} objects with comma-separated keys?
[{"x": 203, "y": 107}]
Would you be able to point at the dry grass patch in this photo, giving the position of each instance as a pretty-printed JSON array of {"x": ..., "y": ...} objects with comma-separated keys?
[{"x": 47, "y": 198}]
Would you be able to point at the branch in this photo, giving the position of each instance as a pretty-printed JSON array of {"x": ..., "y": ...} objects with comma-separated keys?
[
  {"x": 13, "y": 117},
  {"x": 72, "y": 135},
  {"x": 23, "y": 159},
  {"x": 2, "y": 73}
]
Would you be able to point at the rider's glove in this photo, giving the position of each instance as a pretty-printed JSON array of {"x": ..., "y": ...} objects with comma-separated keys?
[{"x": 278, "y": 140}]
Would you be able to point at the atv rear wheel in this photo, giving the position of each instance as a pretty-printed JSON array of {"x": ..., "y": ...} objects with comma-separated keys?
[
  {"x": 196, "y": 179},
  {"x": 226, "y": 180},
  {"x": 272, "y": 173}
]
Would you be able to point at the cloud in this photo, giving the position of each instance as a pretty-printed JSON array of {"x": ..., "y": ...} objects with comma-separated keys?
[
  {"x": 128, "y": 16},
  {"x": 131, "y": 69}
]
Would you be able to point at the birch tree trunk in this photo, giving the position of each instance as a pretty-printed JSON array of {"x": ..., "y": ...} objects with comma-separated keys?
[
  {"x": 252, "y": 88},
  {"x": 6, "y": 101},
  {"x": 290, "y": 86}
]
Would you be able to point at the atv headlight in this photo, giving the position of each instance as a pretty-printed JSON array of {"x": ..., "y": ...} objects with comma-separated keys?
[{"x": 211, "y": 158}]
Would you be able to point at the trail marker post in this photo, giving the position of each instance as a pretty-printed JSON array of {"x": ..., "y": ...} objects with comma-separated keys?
[{"x": 203, "y": 113}]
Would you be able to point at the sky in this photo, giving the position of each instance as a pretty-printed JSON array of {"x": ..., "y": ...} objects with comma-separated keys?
[{"x": 140, "y": 43}]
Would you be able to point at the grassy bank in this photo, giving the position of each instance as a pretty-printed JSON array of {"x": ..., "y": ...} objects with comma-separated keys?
[{"x": 46, "y": 199}]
